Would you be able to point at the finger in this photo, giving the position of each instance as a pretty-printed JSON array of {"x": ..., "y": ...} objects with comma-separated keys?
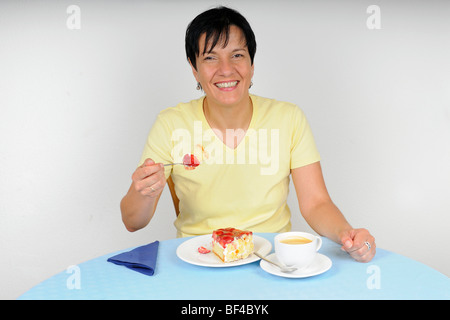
[
  {"x": 148, "y": 162},
  {"x": 367, "y": 256},
  {"x": 147, "y": 170},
  {"x": 154, "y": 182},
  {"x": 347, "y": 240},
  {"x": 359, "y": 236},
  {"x": 366, "y": 252},
  {"x": 154, "y": 188},
  {"x": 347, "y": 243},
  {"x": 148, "y": 188},
  {"x": 359, "y": 244},
  {"x": 358, "y": 250},
  {"x": 150, "y": 192},
  {"x": 152, "y": 169}
]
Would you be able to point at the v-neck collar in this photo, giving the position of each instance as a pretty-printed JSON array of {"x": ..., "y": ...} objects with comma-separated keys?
[{"x": 218, "y": 138}]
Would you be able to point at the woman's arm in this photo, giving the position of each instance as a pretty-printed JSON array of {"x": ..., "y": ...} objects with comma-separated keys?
[
  {"x": 139, "y": 204},
  {"x": 324, "y": 217}
]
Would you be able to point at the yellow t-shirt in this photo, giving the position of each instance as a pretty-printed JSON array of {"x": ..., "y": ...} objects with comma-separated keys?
[{"x": 245, "y": 187}]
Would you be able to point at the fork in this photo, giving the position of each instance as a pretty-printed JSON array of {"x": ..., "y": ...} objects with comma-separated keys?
[
  {"x": 184, "y": 164},
  {"x": 285, "y": 269}
]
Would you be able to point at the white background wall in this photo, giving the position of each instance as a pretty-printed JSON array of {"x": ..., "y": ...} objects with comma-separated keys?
[{"x": 76, "y": 107}]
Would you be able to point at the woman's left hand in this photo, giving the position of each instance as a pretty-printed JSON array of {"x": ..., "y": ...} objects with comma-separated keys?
[{"x": 359, "y": 243}]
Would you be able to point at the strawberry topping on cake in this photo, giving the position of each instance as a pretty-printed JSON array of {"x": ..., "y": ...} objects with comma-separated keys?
[{"x": 231, "y": 244}]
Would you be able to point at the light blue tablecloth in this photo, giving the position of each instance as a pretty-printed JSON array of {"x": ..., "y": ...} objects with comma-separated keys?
[{"x": 397, "y": 277}]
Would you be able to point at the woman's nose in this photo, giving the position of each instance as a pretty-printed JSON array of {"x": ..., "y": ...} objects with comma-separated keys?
[{"x": 225, "y": 67}]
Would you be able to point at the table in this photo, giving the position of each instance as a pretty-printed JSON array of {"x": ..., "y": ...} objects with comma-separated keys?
[{"x": 387, "y": 276}]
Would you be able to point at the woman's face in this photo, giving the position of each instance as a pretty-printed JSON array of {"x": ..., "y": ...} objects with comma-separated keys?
[{"x": 225, "y": 74}]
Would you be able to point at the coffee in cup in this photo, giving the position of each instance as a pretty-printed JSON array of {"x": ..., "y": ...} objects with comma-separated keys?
[
  {"x": 296, "y": 248},
  {"x": 296, "y": 240}
]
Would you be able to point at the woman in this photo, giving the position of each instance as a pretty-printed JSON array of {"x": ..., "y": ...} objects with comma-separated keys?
[{"x": 247, "y": 147}]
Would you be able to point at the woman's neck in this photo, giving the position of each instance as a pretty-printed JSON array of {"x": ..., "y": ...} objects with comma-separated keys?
[
  {"x": 223, "y": 117},
  {"x": 231, "y": 121}
]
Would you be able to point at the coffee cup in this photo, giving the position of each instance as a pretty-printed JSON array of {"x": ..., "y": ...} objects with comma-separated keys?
[{"x": 296, "y": 248}]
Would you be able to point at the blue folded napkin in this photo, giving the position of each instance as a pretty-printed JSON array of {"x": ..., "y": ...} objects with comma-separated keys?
[{"x": 141, "y": 259}]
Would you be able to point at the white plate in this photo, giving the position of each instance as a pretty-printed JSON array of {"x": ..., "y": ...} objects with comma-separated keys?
[
  {"x": 320, "y": 264},
  {"x": 188, "y": 252}
]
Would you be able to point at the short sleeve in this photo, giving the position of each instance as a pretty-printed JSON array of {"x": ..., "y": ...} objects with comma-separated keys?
[
  {"x": 158, "y": 145},
  {"x": 303, "y": 146}
]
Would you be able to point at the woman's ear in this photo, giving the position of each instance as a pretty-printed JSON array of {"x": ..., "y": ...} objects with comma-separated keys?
[{"x": 194, "y": 71}]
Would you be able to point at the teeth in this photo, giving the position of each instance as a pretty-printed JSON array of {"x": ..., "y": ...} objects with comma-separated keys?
[{"x": 226, "y": 84}]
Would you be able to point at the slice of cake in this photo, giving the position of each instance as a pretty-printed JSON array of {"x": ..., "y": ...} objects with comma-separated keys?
[{"x": 231, "y": 244}]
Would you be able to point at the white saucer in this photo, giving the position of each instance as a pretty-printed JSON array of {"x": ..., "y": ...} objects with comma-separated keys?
[
  {"x": 188, "y": 252},
  {"x": 320, "y": 264}
]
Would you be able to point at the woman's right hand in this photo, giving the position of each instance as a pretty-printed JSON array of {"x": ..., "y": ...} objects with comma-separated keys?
[{"x": 149, "y": 179}]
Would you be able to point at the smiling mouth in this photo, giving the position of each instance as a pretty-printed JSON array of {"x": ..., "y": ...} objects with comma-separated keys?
[{"x": 228, "y": 84}]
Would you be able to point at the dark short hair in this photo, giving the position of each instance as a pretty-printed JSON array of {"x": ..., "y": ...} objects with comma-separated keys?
[{"x": 216, "y": 24}]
